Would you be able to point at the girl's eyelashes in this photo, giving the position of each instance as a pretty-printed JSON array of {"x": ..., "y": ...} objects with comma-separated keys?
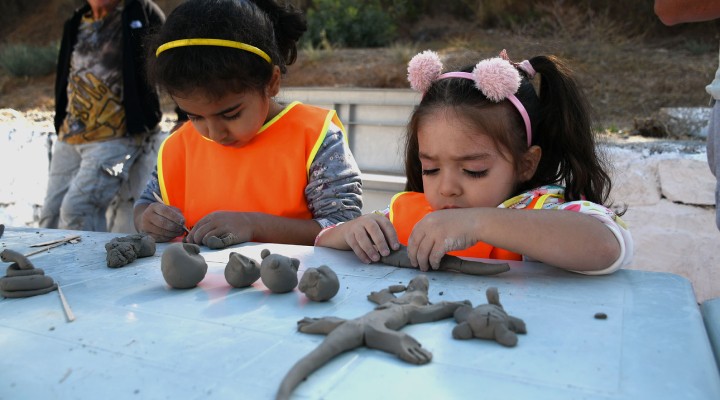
[
  {"x": 430, "y": 171},
  {"x": 476, "y": 174},
  {"x": 232, "y": 117}
]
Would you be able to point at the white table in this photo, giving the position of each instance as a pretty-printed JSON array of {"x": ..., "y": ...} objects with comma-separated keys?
[{"x": 135, "y": 337}]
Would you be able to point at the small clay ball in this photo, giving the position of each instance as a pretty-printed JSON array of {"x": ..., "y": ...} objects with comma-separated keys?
[{"x": 600, "y": 315}]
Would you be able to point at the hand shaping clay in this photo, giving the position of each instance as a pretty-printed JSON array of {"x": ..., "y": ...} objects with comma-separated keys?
[
  {"x": 241, "y": 271},
  {"x": 399, "y": 258},
  {"x": 488, "y": 321},
  {"x": 221, "y": 242},
  {"x": 319, "y": 284},
  {"x": 278, "y": 273},
  {"x": 22, "y": 279},
  {"x": 124, "y": 250},
  {"x": 182, "y": 265},
  {"x": 377, "y": 329}
]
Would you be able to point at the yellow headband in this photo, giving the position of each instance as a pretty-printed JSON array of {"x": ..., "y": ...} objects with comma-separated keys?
[{"x": 213, "y": 42}]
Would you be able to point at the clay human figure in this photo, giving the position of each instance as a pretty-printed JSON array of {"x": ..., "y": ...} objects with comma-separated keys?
[
  {"x": 182, "y": 265},
  {"x": 488, "y": 321},
  {"x": 399, "y": 258},
  {"x": 241, "y": 271},
  {"x": 319, "y": 284},
  {"x": 124, "y": 250},
  {"x": 22, "y": 279},
  {"x": 278, "y": 273},
  {"x": 377, "y": 329}
]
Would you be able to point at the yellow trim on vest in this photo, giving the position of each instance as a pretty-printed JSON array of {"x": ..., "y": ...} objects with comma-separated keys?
[
  {"x": 280, "y": 115},
  {"x": 392, "y": 201},
  {"x": 161, "y": 179},
  {"x": 319, "y": 141}
]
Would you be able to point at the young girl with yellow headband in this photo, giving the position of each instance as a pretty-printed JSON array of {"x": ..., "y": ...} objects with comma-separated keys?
[
  {"x": 485, "y": 157},
  {"x": 244, "y": 167}
]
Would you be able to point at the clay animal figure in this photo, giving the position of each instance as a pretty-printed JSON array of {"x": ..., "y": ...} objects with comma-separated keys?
[
  {"x": 241, "y": 271},
  {"x": 399, "y": 258},
  {"x": 377, "y": 329},
  {"x": 22, "y": 279},
  {"x": 124, "y": 250},
  {"x": 488, "y": 321},
  {"x": 319, "y": 284},
  {"x": 182, "y": 265},
  {"x": 215, "y": 242},
  {"x": 278, "y": 273}
]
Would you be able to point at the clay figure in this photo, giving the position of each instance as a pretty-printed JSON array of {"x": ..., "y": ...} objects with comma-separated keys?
[
  {"x": 228, "y": 239},
  {"x": 377, "y": 329},
  {"x": 488, "y": 321},
  {"x": 2, "y": 229},
  {"x": 182, "y": 265},
  {"x": 399, "y": 258},
  {"x": 241, "y": 271},
  {"x": 278, "y": 273},
  {"x": 124, "y": 250},
  {"x": 22, "y": 279},
  {"x": 319, "y": 284}
]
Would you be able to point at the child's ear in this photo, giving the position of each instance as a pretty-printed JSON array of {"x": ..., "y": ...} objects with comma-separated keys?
[
  {"x": 273, "y": 87},
  {"x": 529, "y": 163}
]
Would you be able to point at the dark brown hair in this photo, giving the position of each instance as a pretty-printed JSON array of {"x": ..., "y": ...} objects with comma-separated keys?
[{"x": 215, "y": 70}]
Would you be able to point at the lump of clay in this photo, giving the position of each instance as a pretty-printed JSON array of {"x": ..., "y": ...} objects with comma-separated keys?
[
  {"x": 124, "y": 250},
  {"x": 399, "y": 258},
  {"x": 22, "y": 279},
  {"x": 241, "y": 271},
  {"x": 215, "y": 242},
  {"x": 319, "y": 284},
  {"x": 182, "y": 265},
  {"x": 488, "y": 321},
  {"x": 278, "y": 273}
]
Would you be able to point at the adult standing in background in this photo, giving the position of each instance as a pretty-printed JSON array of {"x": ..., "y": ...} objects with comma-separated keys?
[
  {"x": 672, "y": 12},
  {"x": 104, "y": 110}
]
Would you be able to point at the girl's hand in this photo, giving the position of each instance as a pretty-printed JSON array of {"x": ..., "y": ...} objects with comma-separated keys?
[
  {"x": 162, "y": 222},
  {"x": 370, "y": 236},
  {"x": 438, "y": 233},
  {"x": 233, "y": 227}
]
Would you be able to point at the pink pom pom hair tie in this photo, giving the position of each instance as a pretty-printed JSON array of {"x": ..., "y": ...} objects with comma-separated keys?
[{"x": 497, "y": 78}]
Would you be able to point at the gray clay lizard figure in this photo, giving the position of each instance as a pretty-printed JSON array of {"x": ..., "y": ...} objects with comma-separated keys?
[
  {"x": 488, "y": 321},
  {"x": 22, "y": 278},
  {"x": 126, "y": 249},
  {"x": 319, "y": 284},
  {"x": 399, "y": 258},
  {"x": 278, "y": 272},
  {"x": 241, "y": 271},
  {"x": 377, "y": 329}
]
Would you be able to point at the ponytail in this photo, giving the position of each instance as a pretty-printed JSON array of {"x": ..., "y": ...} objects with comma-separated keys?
[
  {"x": 288, "y": 25},
  {"x": 565, "y": 135}
]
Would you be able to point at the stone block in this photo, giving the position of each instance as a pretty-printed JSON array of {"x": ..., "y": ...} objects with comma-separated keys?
[{"x": 687, "y": 181}]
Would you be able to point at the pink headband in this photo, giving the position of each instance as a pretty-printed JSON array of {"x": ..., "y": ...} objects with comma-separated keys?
[{"x": 495, "y": 77}]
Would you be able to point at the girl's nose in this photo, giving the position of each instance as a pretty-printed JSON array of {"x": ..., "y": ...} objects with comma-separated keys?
[
  {"x": 216, "y": 131},
  {"x": 449, "y": 186}
]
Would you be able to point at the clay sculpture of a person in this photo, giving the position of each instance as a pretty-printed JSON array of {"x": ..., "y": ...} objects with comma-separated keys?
[
  {"x": 278, "y": 272},
  {"x": 182, "y": 265},
  {"x": 319, "y": 284},
  {"x": 22, "y": 279},
  {"x": 241, "y": 271},
  {"x": 126, "y": 249},
  {"x": 488, "y": 321},
  {"x": 399, "y": 258},
  {"x": 377, "y": 329}
]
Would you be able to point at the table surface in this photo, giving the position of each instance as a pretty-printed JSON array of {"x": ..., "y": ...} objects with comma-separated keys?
[{"x": 135, "y": 336}]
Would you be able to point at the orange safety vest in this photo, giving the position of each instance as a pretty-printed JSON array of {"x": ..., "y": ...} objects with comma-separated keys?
[
  {"x": 407, "y": 208},
  {"x": 267, "y": 175}
]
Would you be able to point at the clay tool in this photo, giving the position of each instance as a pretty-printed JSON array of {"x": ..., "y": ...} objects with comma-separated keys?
[
  {"x": 54, "y": 243},
  {"x": 68, "y": 312},
  {"x": 158, "y": 198}
]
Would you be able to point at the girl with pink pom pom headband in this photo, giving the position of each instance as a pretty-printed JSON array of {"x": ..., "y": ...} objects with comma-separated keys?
[{"x": 495, "y": 77}]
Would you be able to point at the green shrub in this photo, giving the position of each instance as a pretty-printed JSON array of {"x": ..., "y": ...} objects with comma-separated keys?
[
  {"x": 349, "y": 23},
  {"x": 26, "y": 60}
]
